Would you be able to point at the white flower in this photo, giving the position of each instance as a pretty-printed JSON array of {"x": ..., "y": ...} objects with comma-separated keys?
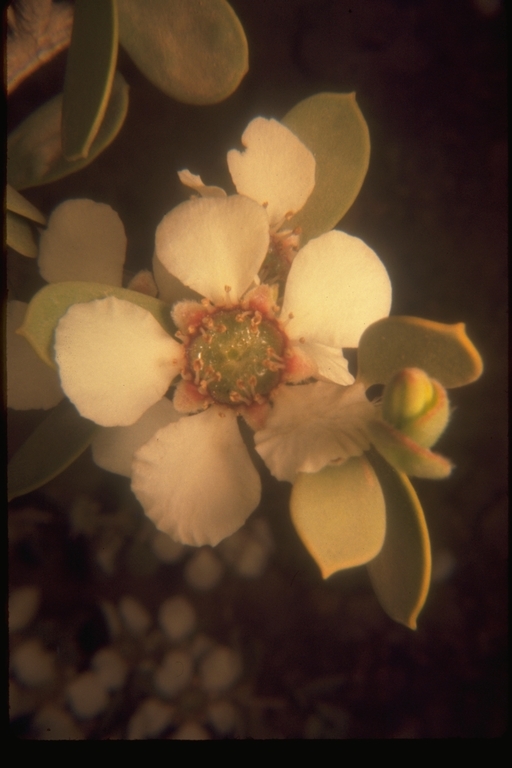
[
  {"x": 83, "y": 241},
  {"x": 194, "y": 476}
]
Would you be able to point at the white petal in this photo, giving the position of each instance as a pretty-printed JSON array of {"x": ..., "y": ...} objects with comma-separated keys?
[
  {"x": 195, "y": 478},
  {"x": 84, "y": 241},
  {"x": 113, "y": 447},
  {"x": 196, "y": 183},
  {"x": 212, "y": 242},
  {"x": 115, "y": 360},
  {"x": 170, "y": 289},
  {"x": 312, "y": 425},
  {"x": 330, "y": 362},
  {"x": 30, "y": 382},
  {"x": 275, "y": 169},
  {"x": 337, "y": 287}
]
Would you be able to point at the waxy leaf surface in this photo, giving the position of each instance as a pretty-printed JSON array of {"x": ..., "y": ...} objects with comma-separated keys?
[
  {"x": 333, "y": 128},
  {"x": 400, "y": 573},
  {"x": 53, "y": 301},
  {"x": 393, "y": 343},
  {"x": 339, "y": 514}
]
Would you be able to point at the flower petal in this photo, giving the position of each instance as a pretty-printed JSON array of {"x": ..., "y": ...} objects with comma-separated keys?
[
  {"x": 336, "y": 288},
  {"x": 340, "y": 515},
  {"x": 84, "y": 241},
  {"x": 312, "y": 425},
  {"x": 330, "y": 362},
  {"x": 113, "y": 447},
  {"x": 211, "y": 242},
  {"x": 115, "y": 360},
  {"x": 195, "y": 478},
  {"x": 276, "y": 169},
  {"x": 196, "y": 183},
  {"x": 30, "y": 382}
]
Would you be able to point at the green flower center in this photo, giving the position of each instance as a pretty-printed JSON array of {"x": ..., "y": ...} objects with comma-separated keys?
[{"x": 236, "y": 356}]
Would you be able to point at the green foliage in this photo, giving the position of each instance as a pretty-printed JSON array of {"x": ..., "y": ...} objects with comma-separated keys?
[
  {"x": 334, "y": 130},
  {"x": 393, "y": 343},
  {"x": 194, "y": 51},
  {"x": 53, "y": 446},
  {"x": 339, "y": 514},
  {"x": 406, "y": 455},
  {"x": 90, "y": 69},
  {"x": 400, "y": 573},
  {"x": 20, "y": 235},
  {"x": 34, "y": 149},
  {"x": 18, "y": 204},
  {"x": 53, "y": 301}
]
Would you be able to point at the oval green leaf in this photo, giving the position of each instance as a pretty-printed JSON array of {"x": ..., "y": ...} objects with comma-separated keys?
[
  {"x": 52, "y": 446},
  {"x": 90, "y": 69},
  {"x": 20, "y": 235},
  {"x": 393, "y": 343},
  {"x": 34, "y": 152},
  {"x": 406, "y": 455},
  {"x": 400, "y": 573},
  {"x": 53, "y": 301},
  {"x": 18, "y": 204},
  {"x": 194, "y": 51},
  {"x": 332, "y": 126},
  {"x": 339, "y": 514}
]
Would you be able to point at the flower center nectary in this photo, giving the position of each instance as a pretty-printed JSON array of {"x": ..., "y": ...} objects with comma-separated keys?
[{"x": 236, "y": 356}]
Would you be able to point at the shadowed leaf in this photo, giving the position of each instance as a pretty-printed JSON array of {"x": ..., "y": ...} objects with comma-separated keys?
[
  {"x": 34, "y": 152},
  {"x": 90, "y": 71},
  {"x": 400, "y": 573},
  {"x": 18, "y": 204},
  {"x": 52, "y": 446},
  {"x": 332, "y": 127},
  {"x": 20, "y": 235}
]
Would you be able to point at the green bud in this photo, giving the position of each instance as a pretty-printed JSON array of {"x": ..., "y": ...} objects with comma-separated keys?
[{"x": 416, "y": 405}]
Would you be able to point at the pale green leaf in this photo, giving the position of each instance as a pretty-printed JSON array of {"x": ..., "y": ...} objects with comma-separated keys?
[
  {"x": 194, "y": 51},
  {"x": 393, "y": 343},
  {"x": 339, "y": 514},
  {"x": 18, "y": 204},
  {"x": 53, "y": 301},
  {"x": 52, "y": 446},
  {"x": 90, "y": 69},
  {"x": 20, "y": 235},
  {"x": 34, "y": 153},
  {"x": 332, "y": 127},
  {"x": 406, "y": 455},
  {"x": 400, "y": 573}
]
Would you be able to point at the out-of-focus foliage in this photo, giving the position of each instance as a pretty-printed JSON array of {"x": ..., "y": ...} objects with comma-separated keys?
[
  {"x": 53, "y": 446},
  {"x": 194, "y": 51},
  {"x": 34, "y": 148},
  {"x": 90, "y": 72}
]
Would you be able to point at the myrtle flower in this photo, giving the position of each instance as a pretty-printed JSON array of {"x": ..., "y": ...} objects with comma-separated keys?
[{"x": 237, "y": 352}]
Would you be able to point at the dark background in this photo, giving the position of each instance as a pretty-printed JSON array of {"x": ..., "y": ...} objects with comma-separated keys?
[{"x": 430, "y": 80}]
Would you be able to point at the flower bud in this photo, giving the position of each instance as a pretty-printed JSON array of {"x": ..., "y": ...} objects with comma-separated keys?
[{"x": 416, "y": 405}]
